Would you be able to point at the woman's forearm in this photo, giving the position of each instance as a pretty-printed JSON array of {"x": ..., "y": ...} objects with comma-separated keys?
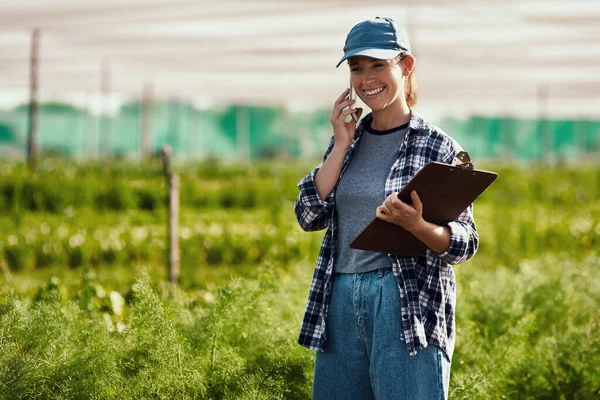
[
  {"x": 436, "y": 237},
  {"x": 328, "y": 174}
]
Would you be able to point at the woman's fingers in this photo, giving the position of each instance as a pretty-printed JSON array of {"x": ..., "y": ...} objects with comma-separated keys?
[
  {"x": 345, "y": 104},
  {"x": 336, "y": 109},
  {"x": 359, "y": 112},
  {"x": 339, "y": 109},
  {"x": 386, "y": 210},
  {"x": 347, "y": 112},
  {"x": 380, "y": 214},
  {"x": 417, "y": 204},
  {"x": 389, "y": 201},
  {"x": 395, "y": 201},
  {"x": 344, "y": 94}
]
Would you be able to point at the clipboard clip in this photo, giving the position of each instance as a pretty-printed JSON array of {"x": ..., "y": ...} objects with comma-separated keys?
[{"x": 462, "y": 160}]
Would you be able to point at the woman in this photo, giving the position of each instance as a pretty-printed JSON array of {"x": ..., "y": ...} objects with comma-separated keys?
[{"x": 382, "y": 325}]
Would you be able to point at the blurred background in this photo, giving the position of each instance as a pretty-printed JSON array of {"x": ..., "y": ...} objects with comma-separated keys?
[
  {"x": 242, "y": 80},
  {"x": 123, "y": 277}
]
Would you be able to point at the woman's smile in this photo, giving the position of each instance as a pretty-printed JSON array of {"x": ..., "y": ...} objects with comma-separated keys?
[{"x": 374, "y": 92}]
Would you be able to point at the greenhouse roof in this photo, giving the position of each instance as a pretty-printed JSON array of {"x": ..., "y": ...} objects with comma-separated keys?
[{"x": 496, "y": 57}]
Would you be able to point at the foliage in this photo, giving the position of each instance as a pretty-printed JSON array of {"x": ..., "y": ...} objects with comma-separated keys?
[
  {"x": 165, "y": 347},
  {"x": 532, "y": 332},
  {"x": 83, "y": 238},
  {"x": 79, "y": 320},
  {"x": 56, "y": 186}
]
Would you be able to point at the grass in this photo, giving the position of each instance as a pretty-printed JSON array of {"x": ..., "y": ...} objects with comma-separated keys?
[
  {"x": 527, "y": 319},
  {"x": 167, "y": 344}
]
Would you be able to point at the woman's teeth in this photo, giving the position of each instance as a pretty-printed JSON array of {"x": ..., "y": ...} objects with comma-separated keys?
[{"x": 373, "y": 92}]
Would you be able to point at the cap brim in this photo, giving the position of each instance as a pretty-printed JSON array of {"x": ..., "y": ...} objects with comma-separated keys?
[{"x": 380, "y": 54}]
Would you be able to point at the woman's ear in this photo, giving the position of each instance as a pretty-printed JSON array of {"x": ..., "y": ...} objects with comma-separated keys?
[{"x": 407, "y": 63}]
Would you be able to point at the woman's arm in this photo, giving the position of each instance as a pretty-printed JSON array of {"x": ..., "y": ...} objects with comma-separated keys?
[
  {"x": 327, "y": 176},
  {"x": 343, "y": 135},
  {"x": 314, "y": 204},
  {"x": 312, "y": 211},
  {"x": 455, "y": 243},
  {"x": 436, "y": 237},
  {"x": 410, "y": 217}
]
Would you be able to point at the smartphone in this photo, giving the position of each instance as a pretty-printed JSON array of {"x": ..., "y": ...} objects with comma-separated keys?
[{"x": 351, "y": 97}]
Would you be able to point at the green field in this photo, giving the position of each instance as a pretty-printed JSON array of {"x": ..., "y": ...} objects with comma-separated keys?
[{"x": 86, "y": 310}]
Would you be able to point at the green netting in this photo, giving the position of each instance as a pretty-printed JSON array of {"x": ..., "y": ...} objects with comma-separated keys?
[
  {"x": 525, "y": 139},
  {"x": 242, "y": 131}
]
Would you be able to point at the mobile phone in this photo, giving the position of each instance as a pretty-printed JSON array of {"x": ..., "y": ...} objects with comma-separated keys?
[{"x": 351, "y": 97}]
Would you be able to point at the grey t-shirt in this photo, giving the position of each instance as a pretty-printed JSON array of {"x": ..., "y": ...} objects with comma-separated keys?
[{"x": 360, "y": 191}]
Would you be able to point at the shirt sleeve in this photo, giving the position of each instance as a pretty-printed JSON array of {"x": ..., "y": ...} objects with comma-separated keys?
[
  {"x": 464, "y": 239},
  {"x": 312, "y": 212}
]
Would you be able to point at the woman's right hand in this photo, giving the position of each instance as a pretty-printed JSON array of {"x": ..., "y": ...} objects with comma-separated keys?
[{"x": 343, "y": 131}]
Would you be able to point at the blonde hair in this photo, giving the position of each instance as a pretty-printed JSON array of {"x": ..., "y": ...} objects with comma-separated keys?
[{"x": 411, "y": 86}]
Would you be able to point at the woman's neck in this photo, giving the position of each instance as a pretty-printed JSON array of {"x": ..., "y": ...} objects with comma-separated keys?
[{"x": 390, "y": 117}]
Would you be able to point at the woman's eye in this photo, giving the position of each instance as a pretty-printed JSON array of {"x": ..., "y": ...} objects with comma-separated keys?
[
  {"x": 354, "y": 69},
  {"x": 378, "y": 65}
]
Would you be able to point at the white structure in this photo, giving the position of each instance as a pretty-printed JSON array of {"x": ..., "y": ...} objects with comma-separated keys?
[{"x": 486, "y": 57}]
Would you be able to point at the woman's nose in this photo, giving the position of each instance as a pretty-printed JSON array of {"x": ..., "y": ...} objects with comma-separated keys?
[{"x": 368, "y": 78}]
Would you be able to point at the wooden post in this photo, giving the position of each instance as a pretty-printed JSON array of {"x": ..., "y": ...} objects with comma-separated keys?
[
  {"x": 146, "y": 122},
  {"x": 543, "y": 115},
  {"x": 284, "y": 117},
  {"x": 174, "y": 229},
  {"x": 33, "y": 105},
  {"x": 507, "y": 133},
  {"x": 104, "y": 119},
  {"x": 89, "y": 129},
  {"x": 6, "y": 270},
  {"x": 174, "y": 122},
  {"x": 173, "y": 185},
  {"x": 184, "y": 111},
  {"x": 580, "y": 128},
  {"x": 242, "y": 132},
  {"x": 191, "y": 128}
]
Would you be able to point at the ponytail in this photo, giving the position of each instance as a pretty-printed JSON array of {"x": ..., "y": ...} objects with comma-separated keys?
[{"x": 411, "y": 87}]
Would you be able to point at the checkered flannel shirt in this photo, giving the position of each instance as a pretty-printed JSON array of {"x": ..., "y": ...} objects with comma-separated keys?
[{"x": 426, "y": 282}]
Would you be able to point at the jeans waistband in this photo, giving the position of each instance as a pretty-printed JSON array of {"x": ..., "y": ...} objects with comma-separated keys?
[{"x": 380, "y": 272}]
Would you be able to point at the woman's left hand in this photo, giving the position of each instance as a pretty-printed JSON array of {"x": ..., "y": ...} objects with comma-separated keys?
[{"x": 398, "y": 212}]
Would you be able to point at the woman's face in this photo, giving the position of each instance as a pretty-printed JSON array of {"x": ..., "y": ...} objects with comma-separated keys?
[{"x": 378, "y": 83}]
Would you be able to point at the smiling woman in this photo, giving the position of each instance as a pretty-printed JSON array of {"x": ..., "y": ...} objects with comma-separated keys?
[
  {"x": 382, "y": 324},
  {"x": 377, "y": 69}
]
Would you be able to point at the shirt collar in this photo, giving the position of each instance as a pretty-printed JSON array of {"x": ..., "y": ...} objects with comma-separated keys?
[{"x": 416, "y": 123}]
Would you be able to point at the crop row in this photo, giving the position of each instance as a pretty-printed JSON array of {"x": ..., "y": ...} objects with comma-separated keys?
[
  {"x": 531, "y": 331},
  {"x": 204, "y": 240},
  {"x": 241, "y": 237},
  {"x": 258, "y": 187}
]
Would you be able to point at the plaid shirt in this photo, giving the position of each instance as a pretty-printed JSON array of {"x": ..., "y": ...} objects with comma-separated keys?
[{"x": 426, "y": 282}]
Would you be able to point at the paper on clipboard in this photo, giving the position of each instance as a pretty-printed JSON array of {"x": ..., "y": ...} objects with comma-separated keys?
[{"x": 445, "y": 191}]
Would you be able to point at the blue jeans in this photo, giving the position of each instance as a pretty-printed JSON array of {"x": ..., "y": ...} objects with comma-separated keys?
[{"x": 366, "y": 356}]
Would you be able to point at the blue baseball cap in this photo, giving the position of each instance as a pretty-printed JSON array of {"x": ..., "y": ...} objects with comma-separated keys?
[{"x": 379, "y": 38}]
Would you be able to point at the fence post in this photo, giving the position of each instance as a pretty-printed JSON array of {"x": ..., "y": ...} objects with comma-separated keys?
[
  {"x": 33, "y": 104},
  {"x": 6, "y": 270},
  {"x": 173, "y": 187},
  {"x": 543, "y": 115},
  {"x": 242, "y": 132},
  {"x": 105, "y": 118},
  {"x": 146, "y": 126}
]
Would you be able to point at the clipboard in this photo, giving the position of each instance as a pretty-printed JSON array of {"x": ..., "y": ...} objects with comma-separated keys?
[{"x": 445, "y": 190}]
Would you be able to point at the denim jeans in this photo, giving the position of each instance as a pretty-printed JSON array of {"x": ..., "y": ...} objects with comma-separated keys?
[{"x": 366, "y": 357}]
